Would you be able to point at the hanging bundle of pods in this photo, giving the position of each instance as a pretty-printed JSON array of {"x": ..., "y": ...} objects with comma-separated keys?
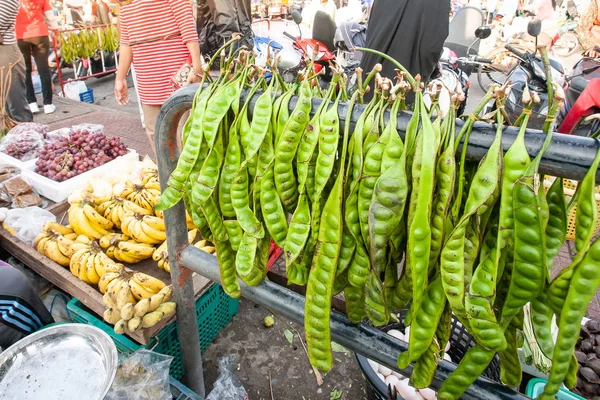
[{"x": 353, "y": 206}]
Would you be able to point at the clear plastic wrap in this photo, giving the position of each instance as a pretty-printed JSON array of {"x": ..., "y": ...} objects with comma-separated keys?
[
  {"x": 29, "y": 126},
  {"x": 27, "y": 223},
  {"x": 144, "y": 375},
  {"x": 62, "y": 133},
  {"x": 23, "y": 145},
  {"x": 90, "y": 128},
  {"x": 227, "y": 386}
]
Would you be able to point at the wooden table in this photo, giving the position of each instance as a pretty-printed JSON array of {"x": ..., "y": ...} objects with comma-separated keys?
[{"x": 89, "y": 295}]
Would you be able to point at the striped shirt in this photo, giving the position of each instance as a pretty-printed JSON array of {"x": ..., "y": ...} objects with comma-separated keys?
[
  {"x": 155, "y": 63},
  {"x": 8, "y": 16}
]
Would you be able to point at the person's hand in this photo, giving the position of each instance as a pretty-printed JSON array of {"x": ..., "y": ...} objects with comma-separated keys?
[
  {"x": 591, "y": 53},
  {"x": 121, "y": 92},
  {"x": 193, "y": 78}
]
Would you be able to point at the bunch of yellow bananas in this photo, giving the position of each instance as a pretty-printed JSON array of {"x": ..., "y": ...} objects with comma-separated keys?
[
  {"x": 114, "y": 209},
  {"x": 161, "y": 254},
  {"x": 145, "y": 195},
  {"x": 144, "y": 314},
  {"x": 144, "y": 228},
  {"x": 85, "y": 220},
  {"x": 122, "y": 248},
  {"x": 53, "y": 242},
  {"x": 90, "y": 264}
]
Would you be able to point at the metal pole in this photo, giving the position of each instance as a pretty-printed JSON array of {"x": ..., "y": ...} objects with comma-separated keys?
[
  {"x": 187, "y": 322},
  {"x": 360, "y": 338}
]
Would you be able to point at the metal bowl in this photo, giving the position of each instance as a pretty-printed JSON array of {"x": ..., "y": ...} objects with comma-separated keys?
[{"x": 67, "y": 361}]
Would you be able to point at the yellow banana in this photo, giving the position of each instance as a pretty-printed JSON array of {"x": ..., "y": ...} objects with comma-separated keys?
[
  {"x": 124, "y": 296},
  {"x": 134, "y": 208},
  {"x": 39, "y": 237},
  {"x": 66, "y": 246},
  {"x": 110, "y": 300},
  {"x": 156, "y": 301},
  {"x": 167, "y": 293},
  {"x": 42, "y": 244},
  {"x": 83, "y": 239},
  {"x": 53, "y": 252},
  {"x": 149, "y": 282},
  {"x": 139, "y": 291},
  {"x": 81, "y": 268},
  {"x": 158, "y": 253},
  {"x": 111, "y": 316},
  {"x": 127, "y": 312},
  {"x": 134, "y": 324},
  {"x": 167, "y": 308},
  {"x": 208, "y": 249},
  {"x": 63, "y": 230},
  {"x": 97, "y": 220},
  {"x": 82, "y": 225},
  {"x": 124, "y": 257},
  {"x": 90, "y": 270},
  {"x": 141, "y": 308},
  {"x": 114, "y": 286},
  {"x": 104, "y": 206},
  {"x": 120, "y": 327},
  {"x": 105, "y": 280},
  {"x": 110, "y": 251},
  {"x": 111, "y": 239},
  {"x": 71, "y": 236},
  {"x": 137, "y": 250},
  {"x": 151, "y": 319},
  {"x": 154, "y": 222},
  {"x": 156, "y": 235},
  {"x": 75, "y": 261},
  {"x": 201, "y": 243}
]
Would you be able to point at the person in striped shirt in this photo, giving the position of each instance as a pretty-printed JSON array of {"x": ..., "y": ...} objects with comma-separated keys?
[
  {"x": 16, "y": 103},
  {"x": 157, "y": 37},
  {"x": 22, "y": 311}
]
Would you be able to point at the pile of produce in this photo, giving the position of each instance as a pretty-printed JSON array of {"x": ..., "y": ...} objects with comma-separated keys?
[
  {"x": 87, "y": 42},
  {"x": 24, "y": 141},
  {"x": 76, "y": 153},
  {"x": 475, "y": 240},
  {"x": 587, "y": 352}
]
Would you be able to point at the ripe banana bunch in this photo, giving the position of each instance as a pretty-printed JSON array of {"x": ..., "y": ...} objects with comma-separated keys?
[
  {"x": 149, "y": 175},
  {"x": 144, "y": 228},
  {"x": 90, "y": 264},
  {"x": 85, "y": 220},
  {"x": 161, "y": 254},
  {"x": 206, "y": 246},
  {"x": 114, "y": 210},
  {"x": 144, "y": 195},
  {"x": 131, "y": 316},
  {"x": 188, "y": 219},
  {"x": 121, "y": 248}
]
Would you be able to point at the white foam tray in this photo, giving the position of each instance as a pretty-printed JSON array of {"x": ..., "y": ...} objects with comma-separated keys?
[
  {"x": 59, "y": 191},
  {"x": 6, "y": 159}
]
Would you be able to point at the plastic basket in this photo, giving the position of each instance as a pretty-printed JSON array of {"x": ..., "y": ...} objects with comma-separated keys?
[
  {"x": 214, "y": 310},
  {"x": 182, "y": 392},
  {"x": 460, "y": 342},
  {"x": 87, "y": 96},
  {"x": 536, "y": 386},
  {"x": 569, "y": 189}
]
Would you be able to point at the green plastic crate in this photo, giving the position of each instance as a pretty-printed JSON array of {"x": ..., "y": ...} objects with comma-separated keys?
[
  {"x": 536, "y": 386},
  {"x": 214, "y": 310}
]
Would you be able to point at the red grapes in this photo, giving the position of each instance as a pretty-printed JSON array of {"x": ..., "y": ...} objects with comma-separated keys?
[{"x": 81, "y": 151}]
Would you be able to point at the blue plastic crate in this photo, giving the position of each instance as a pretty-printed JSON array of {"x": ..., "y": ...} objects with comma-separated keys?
[
  {"x": 536, "y": 386},
  {"x": 87, "y": 96},
  {"x": 182, "y": 392},
  {"x": 214, "y": 310}
]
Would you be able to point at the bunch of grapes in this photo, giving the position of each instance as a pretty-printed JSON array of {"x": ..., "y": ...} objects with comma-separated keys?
[{"x": 81, "y": 151}]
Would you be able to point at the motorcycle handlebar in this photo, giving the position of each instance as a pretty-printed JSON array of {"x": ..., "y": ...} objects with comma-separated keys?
[
  {"x": 515, "y": 51},
  {"x": 289, "y": 36},
  {"x": 483, "y": 60}
]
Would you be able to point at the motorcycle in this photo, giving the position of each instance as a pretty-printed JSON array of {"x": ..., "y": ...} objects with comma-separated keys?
[
  {"x": 292, "y": 62},
  {"x": 581, "y": 112},
  {"x": 529, "y": 72}
]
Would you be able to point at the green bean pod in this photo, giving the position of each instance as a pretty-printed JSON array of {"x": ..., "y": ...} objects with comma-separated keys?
[
  {"x": 556, "y": 230},
  {"x": 403, "y": 293},
  {"x": 424, "y": 323},
  {"x": 584, "y": 282},
  {"x": 273, "y": 213},
  {"x": 339, "y": 283},
  {"x": 231, "y": 164},
  {"x": 209, "y": 173},
  {"x": 510, "y": 363},
  {"x": 471, "y": 367},
  {"x": 359, "y": 267},
  {"x": 235, "y": 233},
  {"x": 419, "y": 231},
  {"x": 346, "y": 251},
  {"x": 444, "y": 328},
  {"x": 261, "y": 116},
  {"x": 245, "y": 256},
  {"x": 375, "y": 303},
  {"x": 571, "y": 376},
  {"x": 355, "y": 303},
  {"x": 241, "y": 204},
  {"x": 213, "y": 217},
  {"x": 425, "y": 367},
  {"x": 285, "y": 151},
  {"x": 216, "y": 108},
  {"x": 226, "y": 259},
  {"x": 283, "y": 115},
  {"x": 541, "y": 322},
  {"x": 298, "y": 230}
]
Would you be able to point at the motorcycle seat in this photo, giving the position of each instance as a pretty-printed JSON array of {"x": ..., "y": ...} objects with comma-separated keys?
[{"x": 579, "y": 83}]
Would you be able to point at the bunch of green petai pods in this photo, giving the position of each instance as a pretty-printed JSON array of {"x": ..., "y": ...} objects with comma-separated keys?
[{"x": 389, "y": 221}]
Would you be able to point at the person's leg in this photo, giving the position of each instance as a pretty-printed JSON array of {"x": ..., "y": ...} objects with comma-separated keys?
[
  {"x": 25, "y": 46},
  {"x": 22, "y": 311},
  {"x": 16, "y": 103},
  {"x": 150, "y": 115},
  {"x": 41, "y": 47}
]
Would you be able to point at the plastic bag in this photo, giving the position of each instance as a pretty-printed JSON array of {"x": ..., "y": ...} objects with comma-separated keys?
[
  {"x": 23, "y": 145},
  {"x": 89, "y": 128},
  {"x": 72, "y": 89},
  {"x": 59, "y": 134},
  {"x": 27, "y": 222},
  {"x": 142, "y": 376},
  {"x": 227, "y": 386},
  {"x": 29, "y": 126}
]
